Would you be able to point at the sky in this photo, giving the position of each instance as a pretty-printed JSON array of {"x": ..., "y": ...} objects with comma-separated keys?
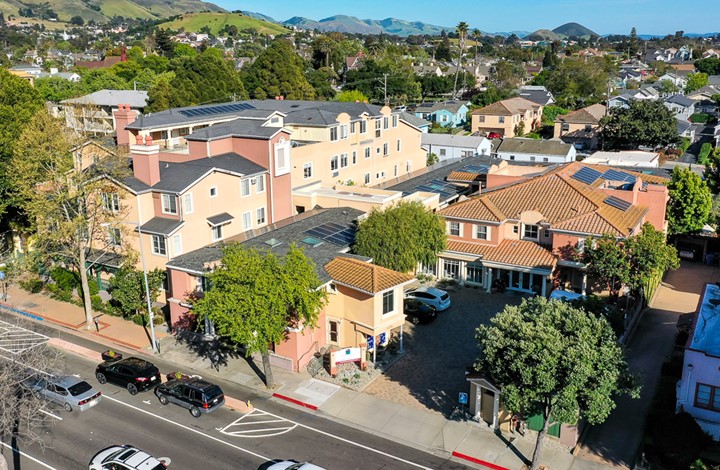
[{"x": 658, "y": 17}]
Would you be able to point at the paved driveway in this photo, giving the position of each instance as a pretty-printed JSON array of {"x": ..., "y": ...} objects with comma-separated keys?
[{"x": 432, "y": 372}]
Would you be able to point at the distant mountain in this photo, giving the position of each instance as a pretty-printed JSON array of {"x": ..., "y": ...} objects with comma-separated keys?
[
  {"x": 260, "y": 16},
  {"x": 301, "y": 23},
  {"x": 520, "y": 34},
  {"x": 544, "y": 35},
  {"x": 194, "y": 22},
  {"x": 351, "y": 24},
  {"x": 574, "y": 29}
]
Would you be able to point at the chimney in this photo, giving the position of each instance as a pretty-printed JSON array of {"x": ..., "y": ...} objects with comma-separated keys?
[
  {"x": 124, "y": 116},
  {"x": 146, "y": 160}
]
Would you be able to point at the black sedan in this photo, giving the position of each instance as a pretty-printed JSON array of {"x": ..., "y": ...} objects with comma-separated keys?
[
  {"x": 133, "y": 373},
  {"x": 418, "y": 312}
]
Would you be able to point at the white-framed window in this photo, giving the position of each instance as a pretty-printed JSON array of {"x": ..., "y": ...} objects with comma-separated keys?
[
  {"x": 512, "y": 157},
  {"x": 482, "y": 232},
  {"x": 343, "y": 160},
  {"x": 260, "y": 184},
  {"x": 454, "y": 228},
  {"x": 188, "y": 203},
  {"x": 334, "y": 163},
  {"x": 386, "y": 150},
  {"x": 111, "y": 202},
  {"x": 217, "y": 232},
  {"x": 378, "y": 128},
  {"x": 169, "y": 204},
  {"x": 408, "y": 166},
  {"x": 158, "y": 245},
  {"x": 213, "y": 191},
  {"x": 451, "y": 268},
  {"x": 532, "y": 159},
  {"x": 260, "y": 213},
  {"x": 245, "y": 187},
  {"x": 363, "y": 126},
  {"x": 545, "y": 159},
  {"x": 395, "y": 120},
  {"x": 333, "y": 134},
  {"x": 353, "y": 127},
  {"x": 515, "y": 229},
  {"x": 343, "y": 132},
  {"x": 177, "y": 244},
  {"x": 397, "y": 146},
  {"x": 501, "y": 119},
  {"x": 354, "y": 157},
  {"x": 333, "y": 331},
  {"x": 388, "y": 302},
  {"x": 386, "y": 122},
  {"x": 380, "y": 175},
  {"x": 368, "y": 153},
  {"x": 247, "y": 220},
  {"x": 530, "y": 231},
  {"x": 114, "y": 237},
  {"x": 307, "y": 170},
  {"x": 367, "y": 178},
  {"x": 395, "y": 170},
  {"x": 282, "y": 158},
  {"x": 481, "y": 118},
  {"x": 443, "y": 152}
]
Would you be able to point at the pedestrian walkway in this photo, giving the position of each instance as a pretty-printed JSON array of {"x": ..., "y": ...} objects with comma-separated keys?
[
  {"x": 472, "y": 443},
  {"x": 616, "y": 442}
]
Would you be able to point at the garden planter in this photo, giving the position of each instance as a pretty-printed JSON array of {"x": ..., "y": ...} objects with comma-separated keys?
[{"x": 110, "y": 356}]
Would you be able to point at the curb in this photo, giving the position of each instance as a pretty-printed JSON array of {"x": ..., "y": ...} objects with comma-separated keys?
[
  {"x": 294, "y": 401},
  {"x": 478, "y": 461}
]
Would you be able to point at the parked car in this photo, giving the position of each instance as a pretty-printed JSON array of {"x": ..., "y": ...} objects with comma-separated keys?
[
  {"x": 436, "y": 298},
  {"x": 126, "y": 457},
  {"x": 292, "y": 465},
  {"x": 133, "y": 373},
  {"x": 71, "y": 393},
  {"x": 494, "y": 135},
  {"x": 196, "y": 395},
  {"x": 417, "y": 312}
]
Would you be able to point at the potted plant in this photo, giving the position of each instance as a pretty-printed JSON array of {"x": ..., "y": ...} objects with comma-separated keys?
[
  {"x": 177, "y": 375},
  {"x": 110, "y": 356}
]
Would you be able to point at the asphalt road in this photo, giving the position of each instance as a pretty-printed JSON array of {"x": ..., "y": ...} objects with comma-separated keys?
[{"x": 220, "y": 440}]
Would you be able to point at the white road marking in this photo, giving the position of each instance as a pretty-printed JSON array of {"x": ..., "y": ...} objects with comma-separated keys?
[
  {"x": 29, "y": 457},
  {"x": 50, "y": 414},
  {"x": 187, "y": 428},
  {"x": 245, "y": 427}
]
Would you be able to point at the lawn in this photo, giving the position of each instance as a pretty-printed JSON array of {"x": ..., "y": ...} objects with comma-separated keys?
[{"x": 193, "y": 22}]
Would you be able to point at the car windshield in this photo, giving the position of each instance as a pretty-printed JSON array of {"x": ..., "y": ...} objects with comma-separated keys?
[
  {"x": 212, "y": 392},
  {"x": 79, "y": 388}
]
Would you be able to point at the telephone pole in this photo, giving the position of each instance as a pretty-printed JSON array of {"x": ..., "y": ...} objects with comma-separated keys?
[{"x": 385, "y": 76}]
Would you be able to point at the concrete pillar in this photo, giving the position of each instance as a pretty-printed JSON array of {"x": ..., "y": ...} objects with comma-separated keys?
[
  {"x": 583, "y": 287},
  {"x": 496, "y": 411},
  {"x": 401, "y": 339},
  {"x": 543, "y": 288},
  {"x": 488, "y": 282}
]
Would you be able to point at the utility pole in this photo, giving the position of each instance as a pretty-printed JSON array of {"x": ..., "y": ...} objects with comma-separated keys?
[{"x": 385, "y": 76}]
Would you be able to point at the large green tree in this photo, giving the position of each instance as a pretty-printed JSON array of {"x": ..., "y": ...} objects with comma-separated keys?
[
  {"x": 690, "y": 202},
  {"x": 649, "y": 256},
  {"x": 695, "y": 81},
  {"x": 712, "y": 171},
  {"x": 255, "y": 296},
  {"x": 555, "y": 360},
  {"x": 401, "y": 236},
  {"x": 643, "y": 123},
  {"x": 278, "y": 71},
  {"x": 607, "y": 259},
  {"x": 709, "y": 66},
  {"x": 577, "y": 82},
  {"x": 127, "y": 288}
]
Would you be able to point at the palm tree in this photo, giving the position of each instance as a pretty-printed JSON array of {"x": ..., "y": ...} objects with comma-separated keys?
[
  {"x": 477, "y": 35},
  {"x": 462, "y": 30}
]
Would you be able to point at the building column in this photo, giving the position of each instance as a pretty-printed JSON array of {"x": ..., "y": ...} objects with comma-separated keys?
[
  {"x": 583, "y": 286},
  {"x": 462, "y": 275},
  {"x": 496, "y": 410},
  {"x": 543, "y": 288},
  {"x": 488, "y": 286},
  {"x": 401, "y": 339}
]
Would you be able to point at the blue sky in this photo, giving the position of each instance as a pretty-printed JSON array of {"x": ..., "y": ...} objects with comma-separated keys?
[{"x": 601, "y": 16}]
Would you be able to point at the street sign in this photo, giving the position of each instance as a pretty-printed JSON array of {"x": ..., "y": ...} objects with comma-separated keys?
[
  {"x": 2, "y": 275},
  {"x": 463, "y": 398}
]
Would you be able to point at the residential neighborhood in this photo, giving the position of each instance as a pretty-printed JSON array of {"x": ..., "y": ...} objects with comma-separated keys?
[{"x": 358, "y": 243}]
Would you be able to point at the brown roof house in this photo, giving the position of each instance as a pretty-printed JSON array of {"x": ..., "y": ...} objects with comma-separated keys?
[
  {"x": 580, "y": 128},
  {"x": 507, "y": 118}
]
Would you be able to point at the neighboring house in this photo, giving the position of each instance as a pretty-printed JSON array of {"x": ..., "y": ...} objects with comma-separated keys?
[
  {"x": 714, "y": 80},
  {"x": 106, "y": 62},
  {"x": 447, "y": 146},
  {"x": 675, "y": 79},
  {"x": 643, "y": 94},
  {"x": 504, "y": 118},
  {"x": 24, "y": 75},
  {"x": 685, "y": 129},
  {"x": 527, "y": 233},
  {"x": 626, "y": 158},
  {"x": 354, "y": 62},
  {"x": 365, "y": 301},
  {"x": 703, "y": 99},
  {"x": 31, "y": 69},
  {"x": 241, "y": 62},
  {"x": 532, "y": 150},
  {"x": 94, "y": 113},
  {"x": 536, "y": 94},
  {"x": 427, "y": 70},
  {"x": 419, "y": 123},
  {"x": 682, "y": 106},
  {"x": 580, "y": 128},
  {"x": 69, "y": 76},
  {"x": 446, "y": 114},
  {"x": 626, "y": 76},
  {"x": 698, "y": 391},
  {"x": 329, "y": 142}
]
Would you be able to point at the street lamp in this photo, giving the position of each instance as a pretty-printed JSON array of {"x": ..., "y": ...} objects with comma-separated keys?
[{"x": 151, "y": 315}]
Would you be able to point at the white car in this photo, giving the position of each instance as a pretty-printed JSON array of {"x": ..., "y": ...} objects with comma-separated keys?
[
  {"x": 127, "y": 457},
  {"x": 291, "y": 465},
  {"x": 432, "y": 296}
]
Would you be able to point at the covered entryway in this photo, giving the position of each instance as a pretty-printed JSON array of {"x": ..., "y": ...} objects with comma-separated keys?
[{"x": 484, "y": 400}]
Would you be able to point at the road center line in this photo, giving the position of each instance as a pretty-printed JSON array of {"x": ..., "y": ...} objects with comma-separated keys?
[
  {"x": 27, "y": 456},
  {"x": 50, "y": 414},
  {"x": 266, "y": 459}
]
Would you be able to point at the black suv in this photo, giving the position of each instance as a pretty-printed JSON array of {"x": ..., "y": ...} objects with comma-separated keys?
[
  {"x": 133, "y": 373},
  {"x": 196, "y": 395}
]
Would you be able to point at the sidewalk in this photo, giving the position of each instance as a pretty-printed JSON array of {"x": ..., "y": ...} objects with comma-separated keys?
[{"x": 429, "y": 431}]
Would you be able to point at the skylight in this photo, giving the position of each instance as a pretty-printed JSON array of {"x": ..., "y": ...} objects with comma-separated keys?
[
  {"x": 273, "y": 242},
  {"x": 312, "y": 241}
]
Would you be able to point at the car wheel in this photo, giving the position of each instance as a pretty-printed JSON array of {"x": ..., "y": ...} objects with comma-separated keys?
[
  {"x": 132, "y": 389},
  {"x": 195, "y": 412},
  {"x": 163, "y": 399},
  {"x": 68, "y": 407},
  {"x": 101, "y": 378},
  {"x": 415, "y": 320}
]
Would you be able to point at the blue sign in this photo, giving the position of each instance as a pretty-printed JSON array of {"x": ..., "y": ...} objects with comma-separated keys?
[
  {"x": 2, "y": 275},
  {"x": 383, "y": 338},
  {"x": 463, "y": 398},
  {"x": 370, "y": 342}
]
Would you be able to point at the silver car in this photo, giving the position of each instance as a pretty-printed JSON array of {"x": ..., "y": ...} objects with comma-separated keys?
[{"x": 72, "y": 393}]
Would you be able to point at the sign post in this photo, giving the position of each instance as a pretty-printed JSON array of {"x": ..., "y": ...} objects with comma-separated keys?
[{"x": 463, "y": 400}]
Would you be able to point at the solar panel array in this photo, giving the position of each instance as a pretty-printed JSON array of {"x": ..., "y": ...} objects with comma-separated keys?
[
  {"x": 587, "y": 175},
  {"x": 337, "y": 234},
  {"x": 474, "y": 169},
  {"x": 615, "y": 175},
  {"x": 443, "y": 188},
  {"x": 210, "y": 110},
  {"x": 617, "y": 203}
]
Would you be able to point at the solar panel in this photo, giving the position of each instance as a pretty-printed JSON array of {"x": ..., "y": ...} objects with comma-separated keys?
[
  {"x": 615, "y": 175},
  {"x": 587, "y": 175},
  {"x": 617, "y": 203},
  {"x": 220, "y": 109},
  {"x": 474, "y": 169},
  {"x": 336, "y": 234}
]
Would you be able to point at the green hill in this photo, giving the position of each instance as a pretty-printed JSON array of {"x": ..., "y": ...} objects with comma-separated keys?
[
  {"x": 193, "y": 22},
  {"x": 544, "y": 35},
  {"x": 575, "y": 30}
]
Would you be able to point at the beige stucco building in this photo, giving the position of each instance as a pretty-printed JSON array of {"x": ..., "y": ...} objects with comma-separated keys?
[{"x": 507, "y": 117}]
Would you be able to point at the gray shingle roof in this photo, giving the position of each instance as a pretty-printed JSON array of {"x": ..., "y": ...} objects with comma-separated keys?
[
  {"x": 176, "y": 177},
  {"x": 680, "y": 100},
  {"x": 161, "y": 226},
  {"x": 288, "y": 231},
  {"x": 220, "y": 219},
  {"x": 237, "y": 128},
  {"x": 136, "y": 99},
  {"x": 541, "y": 147},
  {"x": 449, "y": 140},
  {"x": 451, "y": 106},
  {"x": 414, "y": 120}
]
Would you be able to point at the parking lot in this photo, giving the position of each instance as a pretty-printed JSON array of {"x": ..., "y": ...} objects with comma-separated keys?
[{"x": 432, "y": 372}]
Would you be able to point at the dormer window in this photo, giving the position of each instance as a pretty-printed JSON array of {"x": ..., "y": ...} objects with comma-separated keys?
[
  {"x": 531, "y": 231},
  {"x": 169, "y": 204}
]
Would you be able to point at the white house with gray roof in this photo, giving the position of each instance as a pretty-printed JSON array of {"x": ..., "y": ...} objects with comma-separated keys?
[
  {"x": 94, "y": 113},
  {"x": 448, "y": 146},
  {"x": 539, "y": 151},
  {"x": 682, "y": 106}
]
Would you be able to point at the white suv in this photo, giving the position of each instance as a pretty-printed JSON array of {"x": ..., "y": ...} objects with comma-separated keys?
[{"x": 126, "y": 457}]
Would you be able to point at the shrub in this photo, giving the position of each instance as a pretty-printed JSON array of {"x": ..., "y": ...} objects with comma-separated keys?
[
  {"x": 64, "y": 279},
  {"x": 97, "y": 303},
  {"x": 705, "y": 150},
  {"x": 139, "y": 319},
  {"x": 93, "y": 286},
  {"x": 32, "y": 285},
  {"x": 700, "y": 118},
  {"x": 59, "y": 294}
]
